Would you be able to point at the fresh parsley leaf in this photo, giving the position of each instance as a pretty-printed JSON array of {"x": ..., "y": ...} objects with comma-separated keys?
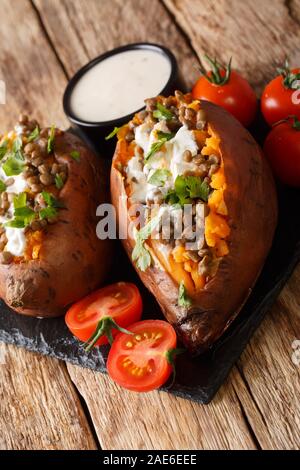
[
  {"x": 162, "y": 112},
  {"x": 51, "y": 138},
  {"x": 163, "y": 137},
  {"x": 141, "y": 256},
  {"x": 48, "y": 213},
  {"x": 75, "y": 155},
  {"x": 20, "y": 200},
  {"x": 159, "y": 177},
  {"x": 183, "y": 299},
  {"x": 140, "y": 253},
  {"x": 187, "y": 188},
  {"x": 34, "y": 134},
  {"x": 17, "y": 145},
  {"x": 15, "y": 223},
  {"x": 146, "y": 231},
  {"x": 51, "y": 201},
  {"x": 25, "y": 214},
  {"x": 2, "y": 186},
  {"x": 3, "y": 149},
  {"x": 13, "y": 166},
  {"x": 58, "y": 181},
  {"x": 113, "y": 133}
]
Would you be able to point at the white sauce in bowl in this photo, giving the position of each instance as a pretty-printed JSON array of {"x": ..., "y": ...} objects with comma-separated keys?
[{"x": 118, "y": 85}]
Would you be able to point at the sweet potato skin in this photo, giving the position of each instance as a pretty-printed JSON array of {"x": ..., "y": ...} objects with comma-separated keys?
[
  {"x": 252, "y": 206},
  {"x": 72, "y": 260}
]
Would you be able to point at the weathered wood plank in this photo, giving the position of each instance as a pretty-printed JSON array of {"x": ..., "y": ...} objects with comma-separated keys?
[
  {"x": 258, "y": 35},
  {"x": 81, "y": 30},
  {"x": 39, "y": 408},
  {"x": 157, "y": 420}
]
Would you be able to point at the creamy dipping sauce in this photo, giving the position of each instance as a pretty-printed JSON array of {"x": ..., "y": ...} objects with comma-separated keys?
[{"x": 118, "y": 85}]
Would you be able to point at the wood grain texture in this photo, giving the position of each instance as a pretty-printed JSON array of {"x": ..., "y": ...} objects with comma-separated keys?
[
  {"x": 39, "y": 408},
  {"x": 157, "y": 420},
  {"x": 34, "y": 80},
  {"x": 259, "y": 35},
  {"x": 81, "y": 30}
]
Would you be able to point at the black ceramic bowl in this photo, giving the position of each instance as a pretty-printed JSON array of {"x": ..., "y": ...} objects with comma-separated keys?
[{"x": 95, "y": 132}]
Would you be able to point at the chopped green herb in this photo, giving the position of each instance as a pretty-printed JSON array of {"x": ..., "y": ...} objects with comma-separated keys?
[
  {"x": 17, "y": 145},
  {"x": 15, "y": 223},
  {"x": 13, "y": 166},
  {"x": 140, "y": 254},
  {"x": 162, "y": 113},
  {"x": 163, "y": 137},
  {"x": 58, "y": 181},
  {"x": 113, "y": 133},
  {"x": 2, "y": 186},
  {"x": 186, "y": 189},
  {"x": 34, "y": 134},
  {"x": 51, "y": 138},
  {"x": 183, "y": 299},
  {"x": 48, "y": 213},
  {"x": 75, "y": 155},
  {"x": 20, "y": 200},
  {"x": 3, "y": 149},
  {"x": 26, "y": 214},
  {"x": 51, "y": 201},
  {"x": 159, "y": 177}
]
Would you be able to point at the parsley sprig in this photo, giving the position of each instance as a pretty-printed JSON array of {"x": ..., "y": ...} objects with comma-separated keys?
[
  {"x": 162, "y": 137},
  {"x": 162, "y": 113},
  {"x": 141, "y": 255},
  {"x": 183, "y": 299},
  {"x": 159, "y": 177},
  {"x": 187, "y": 188}
]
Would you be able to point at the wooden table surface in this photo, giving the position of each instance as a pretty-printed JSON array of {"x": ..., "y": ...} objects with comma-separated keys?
[{"x": 47, "y": 404}]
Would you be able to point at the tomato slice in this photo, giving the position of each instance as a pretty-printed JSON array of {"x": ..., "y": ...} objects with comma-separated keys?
[
  {"x": 120, "y": 303},
  {"x": 140, "y": 362}
]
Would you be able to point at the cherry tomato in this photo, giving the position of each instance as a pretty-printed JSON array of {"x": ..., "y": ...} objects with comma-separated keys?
[
  {"x": 280, "y": 98},
  {"x": 94, "y": 319},
  {"x": 282, "y": 148},
  {"x": 228, "y": 89},
  {"x": 142, "y": 362}
]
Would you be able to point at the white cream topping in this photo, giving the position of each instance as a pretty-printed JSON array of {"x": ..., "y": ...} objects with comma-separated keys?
[
  {"x": 16, "y": 241},
  {"x": 16, "y": 237},
  {"x": 170, "y": 157}
]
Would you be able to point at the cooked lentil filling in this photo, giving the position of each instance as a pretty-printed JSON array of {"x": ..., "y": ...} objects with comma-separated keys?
[
  {"x": 170, "y": 156},
  {"x": 30, "y": 182}
]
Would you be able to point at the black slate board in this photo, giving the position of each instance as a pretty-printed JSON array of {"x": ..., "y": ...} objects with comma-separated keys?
[{"x": 199, "y": 378}]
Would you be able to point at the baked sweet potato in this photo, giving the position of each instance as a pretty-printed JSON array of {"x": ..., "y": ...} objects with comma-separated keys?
[
  {"x": 221, "y": 172},
  {"x": 51, "y": 186}
]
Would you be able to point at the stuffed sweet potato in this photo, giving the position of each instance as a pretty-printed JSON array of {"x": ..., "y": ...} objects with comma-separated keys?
[
  {"x": 51, "y": 185},
  {"x": 194, "y": 162}
]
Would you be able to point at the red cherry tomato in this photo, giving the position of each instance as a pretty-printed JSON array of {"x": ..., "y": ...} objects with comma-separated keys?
[
  {"x": 228, "y": 89},
  {"x": 282, "y": 148},
  {"x": 96, "y": 317},
  {"x": 140, "y": 362},
  {"x": 280, "y": 99}
]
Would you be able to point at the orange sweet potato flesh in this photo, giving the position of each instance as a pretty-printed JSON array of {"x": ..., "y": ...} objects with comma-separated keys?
[
  {"x": 251, "y": 201},
  {"x": 72, "y": 261}
]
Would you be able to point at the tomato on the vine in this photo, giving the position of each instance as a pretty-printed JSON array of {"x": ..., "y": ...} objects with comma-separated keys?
[
  {"x": 282, "y": 148},
  {"x": 144, "y": 361},
  {"x": 96, "y": 318},
  {"x": 227, "y": 88},
  {"x": 281, "y": 97}
]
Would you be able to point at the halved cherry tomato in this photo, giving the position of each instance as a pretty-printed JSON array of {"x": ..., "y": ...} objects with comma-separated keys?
[
  {"x": 282, "y": 148},
  {"x": 94, "y": 319},
  {"x": 277, "y": 100},
  {"x": 143, "y": 362},
  {"x": 228, "y": 89}
]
